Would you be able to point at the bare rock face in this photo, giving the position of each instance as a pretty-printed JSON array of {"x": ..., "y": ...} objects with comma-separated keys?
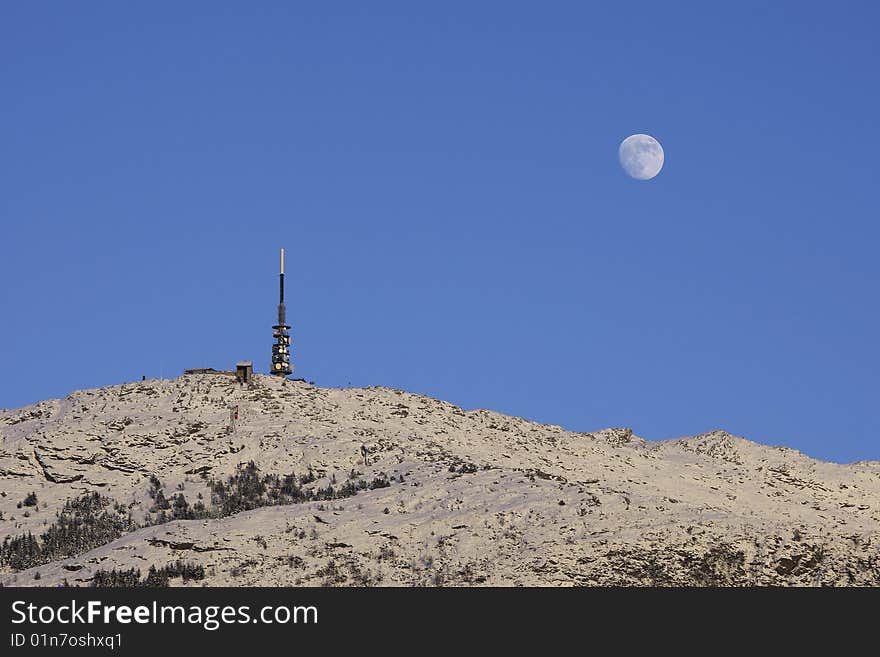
[{"x": 105, "y": 484}]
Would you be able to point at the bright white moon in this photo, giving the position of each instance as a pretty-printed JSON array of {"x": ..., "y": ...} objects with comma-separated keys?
[{"x": 641, "y": 156}]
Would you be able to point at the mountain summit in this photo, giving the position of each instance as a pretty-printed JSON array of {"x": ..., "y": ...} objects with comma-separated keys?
[{"x": 202, "y": 480}]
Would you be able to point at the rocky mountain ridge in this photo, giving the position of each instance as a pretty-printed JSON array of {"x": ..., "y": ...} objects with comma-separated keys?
[{"x": 266, "y": 484}]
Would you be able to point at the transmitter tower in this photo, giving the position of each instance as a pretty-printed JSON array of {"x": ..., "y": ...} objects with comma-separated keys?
[{"x": 281, "y": 348}]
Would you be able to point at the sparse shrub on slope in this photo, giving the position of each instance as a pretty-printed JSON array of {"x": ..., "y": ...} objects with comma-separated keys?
[
  {"x": 246, "y": 489},
  {"x": 116, "y": 578},
  {"x": 243, "y": 491},
  {"x": 93, "y": 520},
  {"x": 156, "y": 577},
  {"x": 82, "y": 525},
  {"x": 20, "y": 552}
]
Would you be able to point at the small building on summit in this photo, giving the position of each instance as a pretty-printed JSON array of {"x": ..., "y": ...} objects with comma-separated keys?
[{"x": 244, "y": 371}]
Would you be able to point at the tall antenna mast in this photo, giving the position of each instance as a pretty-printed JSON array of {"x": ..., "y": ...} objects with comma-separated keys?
[{"x": 281, "y": 349}]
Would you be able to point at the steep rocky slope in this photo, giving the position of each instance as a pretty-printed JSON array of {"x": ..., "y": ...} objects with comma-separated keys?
[{"x": 447, "y": 497}]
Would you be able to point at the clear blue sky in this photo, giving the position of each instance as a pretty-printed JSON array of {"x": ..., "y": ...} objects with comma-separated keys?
[{"x": 444, "y": 177}]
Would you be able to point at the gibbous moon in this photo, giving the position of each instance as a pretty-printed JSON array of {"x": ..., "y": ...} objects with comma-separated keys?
[{"x": 641, "y": 156}]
